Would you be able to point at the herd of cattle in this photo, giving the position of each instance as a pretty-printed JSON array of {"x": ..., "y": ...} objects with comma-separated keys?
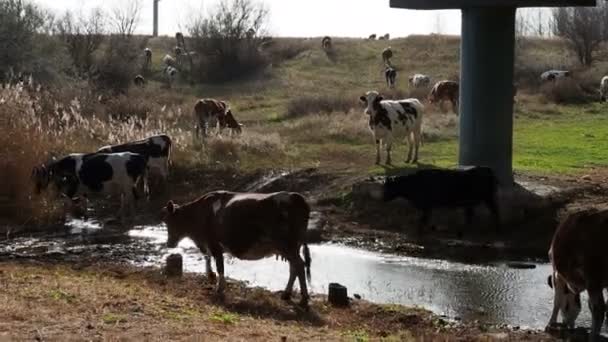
[{"x": 254, "y": 225}]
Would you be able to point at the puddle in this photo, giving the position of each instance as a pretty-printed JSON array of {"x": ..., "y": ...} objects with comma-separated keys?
[{"x": 494, "y": 294}]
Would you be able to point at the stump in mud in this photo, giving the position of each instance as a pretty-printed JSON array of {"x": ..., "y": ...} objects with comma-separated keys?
[
  {"x": 174, "y": 265},
  {"x": 338, "y": 295}
]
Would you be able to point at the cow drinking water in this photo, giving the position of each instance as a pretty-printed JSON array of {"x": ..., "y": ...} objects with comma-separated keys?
[{"x": 249, "y": 226}]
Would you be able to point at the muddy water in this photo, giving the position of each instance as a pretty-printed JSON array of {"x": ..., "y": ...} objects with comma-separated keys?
[{"x": 492, "y": 293}]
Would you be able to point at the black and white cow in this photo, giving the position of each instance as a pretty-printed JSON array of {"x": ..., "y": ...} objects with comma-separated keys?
[
  {"x": 552, "y": 75},
  {"x": 390, "y": 74},
  {"x": 95, "y": 173},
  {"x": 388, "y": 117},
  {"x": 156, "y": 149}
]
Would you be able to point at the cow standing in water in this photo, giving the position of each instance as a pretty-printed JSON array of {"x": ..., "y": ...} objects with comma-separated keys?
[{"x": 249, "y": 226}]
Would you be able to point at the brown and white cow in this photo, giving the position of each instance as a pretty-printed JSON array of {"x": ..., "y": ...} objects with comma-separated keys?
[
  {"x": 208, "y": 113},
  {"x": 445, "y": 91},
  {"x": 578, "y": 255},
  {"x": 249, "y": 226}
]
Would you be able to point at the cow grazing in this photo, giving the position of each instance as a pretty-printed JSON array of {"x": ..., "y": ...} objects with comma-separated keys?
[
  {"x": 156, "y": 149},
  {"x": 387, "y": 54},
  {"x": 228, "y": 121},
  {"x": 388, "y": 117},
  {"x": 208, "y": 113},
  {"x": 419, "y": 81},
  {"x": 326, "y": 43},
  {"x": 147, "y": 58},
  {"x": 390, "y": 74},
  {"x": 101, "y": 173},
  {"x": 553, "y": 75},
  {"x": 578, "y": 256},
  {"x": 445, "y": 91},
  {"x": 372, "y": 37},
  {"x": 604, "y": 89},
  {"x": 249, "y": 226},
  {"x": 442, "y": 188},
  {"x": 139, "y": 80}
]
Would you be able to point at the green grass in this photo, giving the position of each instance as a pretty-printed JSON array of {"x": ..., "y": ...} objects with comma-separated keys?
[{"x": 224, "y": 317}]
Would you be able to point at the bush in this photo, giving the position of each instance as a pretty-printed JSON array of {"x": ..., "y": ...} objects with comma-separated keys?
[
  {"x": 118, "y": 65},
  {"x": 564, "y": 91},
  {"x": 229, "y": 38},
  {"x": 315, "y": 104}
]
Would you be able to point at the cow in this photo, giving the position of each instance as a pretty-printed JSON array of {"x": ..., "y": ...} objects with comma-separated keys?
[
  {"x": 228, "y": 121},
  {"x": 445, "y": 91},
  {"x": 553, "y": 75},
  {"x": 147, "y": 58},
  {"x": 169, "y": 61},
  {"x": 326, "y": 43},
  {"x": 207, "y": 114},
  {"x": 248, "y": 226},
  {"x": 443, "y": 188},
  {"x": 388, "y": 117},
  {"x": 372, "y": 37},
  {"x": 419, "y": 81},
  {"x": 578, "y": 256},
  {"x": 390, "y": 74},
  {"x": 386, "y": 36},
  {"x": 156, "y": 149},
  {"x": 95, "y": 173},
  {"x": 139, "y": 80},
  {"x": 387, "y": 54},
  {"x": 604, "y": 89},
  {"x": 170, "y": 75}
]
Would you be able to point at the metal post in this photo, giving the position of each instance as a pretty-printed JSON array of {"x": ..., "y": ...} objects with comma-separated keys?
[
  {"x": 155, "y": 29},
  {"x": 486, "y": 89}
]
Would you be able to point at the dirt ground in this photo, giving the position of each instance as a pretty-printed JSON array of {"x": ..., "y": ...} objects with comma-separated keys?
[{"x": 91, "y": 301}]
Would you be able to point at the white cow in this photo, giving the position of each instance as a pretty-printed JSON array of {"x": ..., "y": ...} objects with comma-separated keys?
[
  {"x": 419, "y": 80},
  {"x": 388, "y": 117},
  {"x": 552, "y": 75}
]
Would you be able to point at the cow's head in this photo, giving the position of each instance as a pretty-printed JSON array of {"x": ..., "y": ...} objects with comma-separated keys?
[
  {"x": 371, "y": 99},
  {"x": 568, "y": 301},
  {"x": 176, "y": 230},
  {"x": 232, "y": 123}
]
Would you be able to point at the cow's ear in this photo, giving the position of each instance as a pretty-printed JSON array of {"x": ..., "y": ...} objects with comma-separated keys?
[
  {"x": 362, "y": 99},
  {"x": 379, "y": 98},
  {"x": 549, "y": 281}
]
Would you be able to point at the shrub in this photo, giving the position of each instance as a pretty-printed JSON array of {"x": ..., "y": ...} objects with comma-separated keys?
[
  {"x": 314, "y": 104},
  {"x": 564, "y": 91},
  {"x": 118, "y": 64}
]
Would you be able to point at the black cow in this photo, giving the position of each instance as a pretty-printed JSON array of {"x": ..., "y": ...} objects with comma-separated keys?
[{"x": 441, "y": 188}]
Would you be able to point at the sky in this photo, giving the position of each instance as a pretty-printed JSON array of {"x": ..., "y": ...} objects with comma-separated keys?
[{"x": 293, "y": 18}]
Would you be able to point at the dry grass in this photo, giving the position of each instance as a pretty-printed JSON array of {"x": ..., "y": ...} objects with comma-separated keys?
[{"x": 109, "y": 302}]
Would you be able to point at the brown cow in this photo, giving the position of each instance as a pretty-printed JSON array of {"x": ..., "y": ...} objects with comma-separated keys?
[
  {"x": 249, "y": 226},
  {"x": 207, "y": 113},
  {"x": 445, "y": 91},
  {"x": 387, "y": 54},
  {"x": 578, "y": 256}
]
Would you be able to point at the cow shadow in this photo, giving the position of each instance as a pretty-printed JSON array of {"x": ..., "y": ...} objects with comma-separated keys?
[{"x": 260, "y": 302}]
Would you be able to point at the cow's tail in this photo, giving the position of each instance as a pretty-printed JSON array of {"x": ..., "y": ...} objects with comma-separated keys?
[{"x": 307, "y": 262}]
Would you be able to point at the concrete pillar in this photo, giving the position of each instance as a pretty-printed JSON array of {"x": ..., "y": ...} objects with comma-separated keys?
[
  {"x": 155, "y": 19},
  {"x": 486, "y": 89}
]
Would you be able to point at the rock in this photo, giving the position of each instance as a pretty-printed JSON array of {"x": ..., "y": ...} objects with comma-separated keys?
[
  {"x": 338, "y": 295},
  {"x": 174, "y": 266},
  {"x": 586, "y": 178}
]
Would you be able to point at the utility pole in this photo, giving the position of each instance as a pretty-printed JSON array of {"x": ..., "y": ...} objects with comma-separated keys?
[{"x": 155, "y": 33}]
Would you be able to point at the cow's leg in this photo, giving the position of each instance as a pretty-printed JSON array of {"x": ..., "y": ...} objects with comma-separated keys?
[
  {"x": 417, "y": 139},
  {"x": 556, "y": 304},
  {"x": 299, "y": 267},
  {"x": 388, "y": 142},
  {"x": 378, "y": 145},
  {"x": 455, "y": 106},
  {"x": 493, "y": 207},
  {"x": 424, "y": 219},
  {"x": 410, "y": 146},
  {"x": 597, "y": 307},
  {"x": 219, "y": 265},
  {"x": 292, "y": 277}
]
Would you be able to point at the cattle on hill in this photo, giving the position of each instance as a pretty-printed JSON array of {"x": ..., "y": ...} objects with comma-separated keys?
[
  {"x": 390, "y": 74},
  {"x": 372, "y": 37},
  {"x": 249, "y": 226},
  {"x": 604, "y": 89},
  {"x": 147, "y": 58},
  {"x": 419, "y": 81},
  {"x": 326, "y": 43},
  {"x": 95, "y": 173},
  {"x": 388, "y": 118},
  {"x": 553, "y": 75},
  {"x": 387, "y": 54},
  {"x": 445, "y": 91},
  {"x": 578, "y": 255},
  {"x": 441, "y": 188},
  {"x": 208, "y": 113},
  {"x": 156, "y": 149},
  {"x": 139, "y": 80}
]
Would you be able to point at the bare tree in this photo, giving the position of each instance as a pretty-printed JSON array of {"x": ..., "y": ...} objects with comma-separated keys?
[
  {"x": 82, "y": 35},
  {"x": 125, "y": 17},
  {"x": 585, "y": 28}
]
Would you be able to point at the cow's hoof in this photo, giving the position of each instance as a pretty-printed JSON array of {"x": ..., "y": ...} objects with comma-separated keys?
[{"x": 286, "y": 296}]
